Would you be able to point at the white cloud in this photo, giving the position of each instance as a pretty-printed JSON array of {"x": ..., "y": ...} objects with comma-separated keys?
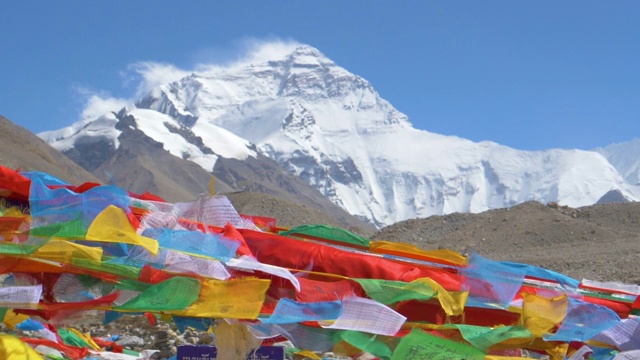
[
  {"x": 97, "y": 106},
  {"x": 261, "y": 51},
  {"x": 150, "y": 74},
  {"x": 144, "y": 76},
  {"x": 97, "y": 103},
  {"x": 244, "y": 52}
]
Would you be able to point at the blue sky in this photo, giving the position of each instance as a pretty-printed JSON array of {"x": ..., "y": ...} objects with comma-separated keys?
[{"x": 531, "y": 75}]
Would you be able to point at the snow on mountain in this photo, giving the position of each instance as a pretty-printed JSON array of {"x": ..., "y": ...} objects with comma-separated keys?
[
  {"x": 160, "y": 127},
  {"x": 332, "y": 129},
  {"x": 85, "y": 131},
  {"x": 625, "y": 157}
]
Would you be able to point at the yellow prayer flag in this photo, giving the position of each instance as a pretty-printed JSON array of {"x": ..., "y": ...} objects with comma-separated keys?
[
  {"x": 306, "y": 354},
  {"x": 12, "y": 319},
  {"x": 12, "y": 348},
  {"x": 63, "y": 251},
  {"x": 412, "y": 251},
  {"x": 452, "y": 302},
  {"x": 212, "y": 188},
  {"x": 14, "y": 212},
  {"x": 112, "y": 225},
  {"x": 86, "y": 338},
  {"x": 540, "y": 315},
  {"x": 558, "y": 352},
  {"x": 233, "y": 299}
]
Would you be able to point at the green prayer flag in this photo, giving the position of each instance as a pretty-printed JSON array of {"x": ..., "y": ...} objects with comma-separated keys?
[
  {"x": 26, "y": 248},
  {"x": 420, "y": 345},
  {"x": 70, "y": 338},
  {"x": 483, "y": 337},
  {"x": 130, "y": 352},
  {"x": 124, "y": 271},
  {"x": 173, "y": 294},
  {"x": 390, "y": 292},
  {"x": 329, "y": 233},
  {"x": 130, "y": 284},
  {"x": 366, "y": 342},
  {"x": 73, "y": 230}
]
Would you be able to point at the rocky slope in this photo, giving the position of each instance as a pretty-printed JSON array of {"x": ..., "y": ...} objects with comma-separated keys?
[
  {"x": 21, "y": 149},
  {"x": 598, "y": 242}
]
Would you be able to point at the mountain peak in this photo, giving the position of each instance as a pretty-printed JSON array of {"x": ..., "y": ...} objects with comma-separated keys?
[
  {"x": 289, "y": 102},
  {"x": 303, "y": 57},
  {"x": 308, "y": 51},
  {"x": 619, "y": 156}
]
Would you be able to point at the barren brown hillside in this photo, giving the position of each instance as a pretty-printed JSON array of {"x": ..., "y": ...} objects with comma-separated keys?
[
  {"x": 21, "y": 149},
  {"x": 599, "y": 242}
]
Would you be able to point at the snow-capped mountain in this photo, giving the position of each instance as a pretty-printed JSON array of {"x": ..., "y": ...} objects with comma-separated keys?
[
  {"x": 625, "y": 157},
  {"x": 332, "y": 129}
]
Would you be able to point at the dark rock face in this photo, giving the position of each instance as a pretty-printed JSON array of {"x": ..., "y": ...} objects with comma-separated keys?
[
  {"x": 186, "y": 133},
  {"x": 345, "y": 171},
  {"x": 141, "y": 164},
  {"x": 613, "y": 197},
  {"x": 164, "y": 105},
  {"x": 263, "y": 175},
  {"x": 90, "y": 153}
]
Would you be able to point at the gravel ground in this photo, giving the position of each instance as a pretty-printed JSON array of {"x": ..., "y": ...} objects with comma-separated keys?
[{"x": 599, "y": 242}]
